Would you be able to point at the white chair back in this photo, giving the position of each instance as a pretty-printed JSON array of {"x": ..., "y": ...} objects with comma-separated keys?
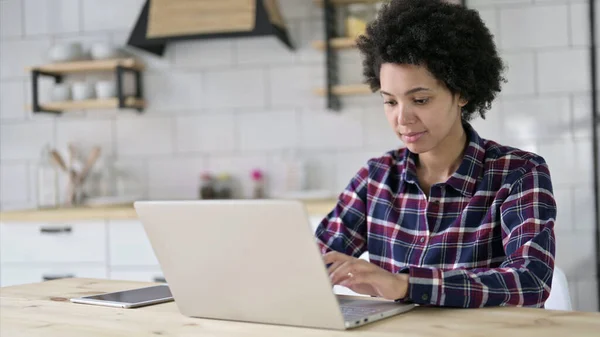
[{"x": 559, "y": 298}]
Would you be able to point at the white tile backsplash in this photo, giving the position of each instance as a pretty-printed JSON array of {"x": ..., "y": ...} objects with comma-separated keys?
[
  {"x": 12, "y": 100},
  {"x": 310, "y": 30},
  {"x": 321, "y": 129},
  {"x": 582, "y": 116},
  {"x": 584, "y": 208},
  {"x": 17, "y": 55},
  {"x": 25, "y": 141},
  {"x": 563, "y": 71},
  {"x": 85, "y": 134},
  {"x": 14, "y": 183},
  {"x": 11, "y": 18},
  {"x": 491, "y": 126},
  {"x": 129, "y": 177},
  {"x": 203, "y": 53},
  {"x": 107, "y": 15},
  {"x": 520, "y": 74},
  {"x": 580, "y": 24},
  {"x": 206, "y": 133},
  {"x": 264, "y": 50},
  {"x": 51, "y": 17},
  {"x": 521, "y": 118},
  {"x": 292, "y": 86},
  {"x": 569, "y": 161},
  {"x": 534, "y": 27},
  {"x": 144, "y": 136},
  {"x": 235, "y": 88},
  {"x": 320, "y": 171},
  {"x": 378, "y": 133},
  {"x": 168, "y": 174},
  {"x": 173, "y": 91},
  {"x": 348, "y": 164},
  {"x": 267, "y": 131}
]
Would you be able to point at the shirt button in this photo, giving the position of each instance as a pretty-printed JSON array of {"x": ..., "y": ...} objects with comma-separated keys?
[
  {"x": 425, "y": 297},
  {"x": 422, "y": 240}
]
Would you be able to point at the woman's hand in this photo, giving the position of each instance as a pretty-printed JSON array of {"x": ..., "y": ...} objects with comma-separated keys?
[{"x": 364, "y": 277}]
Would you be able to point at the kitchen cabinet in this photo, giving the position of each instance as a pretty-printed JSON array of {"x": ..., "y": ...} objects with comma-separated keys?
[
  {"x": 58, "y": 242},
  {"x": 14, "y": 275}
]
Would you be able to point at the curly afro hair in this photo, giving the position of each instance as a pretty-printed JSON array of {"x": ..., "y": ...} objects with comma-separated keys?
[{"x": 451, "y": 41}]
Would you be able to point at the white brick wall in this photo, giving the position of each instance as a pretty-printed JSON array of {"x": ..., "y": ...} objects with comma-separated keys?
[{"x": 239, "y": 104}]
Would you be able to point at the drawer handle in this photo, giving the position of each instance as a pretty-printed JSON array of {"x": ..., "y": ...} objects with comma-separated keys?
[
  {"x": 56, "y": 277},
  {"x": 56, "y": 230},
  {"x": 160, "y": 279}
]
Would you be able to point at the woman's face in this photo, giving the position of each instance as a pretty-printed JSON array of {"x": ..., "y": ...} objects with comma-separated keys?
[{"x": 420, "y": 109}]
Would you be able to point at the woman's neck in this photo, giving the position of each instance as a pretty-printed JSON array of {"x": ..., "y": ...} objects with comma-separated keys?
[{"x": 442, "y": 161}]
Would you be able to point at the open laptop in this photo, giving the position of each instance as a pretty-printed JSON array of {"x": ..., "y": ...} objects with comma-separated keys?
[{"x": 253, "y": 261}]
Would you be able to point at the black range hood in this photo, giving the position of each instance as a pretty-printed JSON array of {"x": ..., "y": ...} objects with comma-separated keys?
[{"x": 162, "y": 21}]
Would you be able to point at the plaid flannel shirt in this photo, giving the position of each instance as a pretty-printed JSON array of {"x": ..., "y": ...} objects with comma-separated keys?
[{"x": 485, "y": 237}]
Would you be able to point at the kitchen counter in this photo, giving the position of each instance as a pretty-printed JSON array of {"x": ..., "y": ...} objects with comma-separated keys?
[
  {"x": 318, "y": 207},
  {"x": 43, "y": 309}
]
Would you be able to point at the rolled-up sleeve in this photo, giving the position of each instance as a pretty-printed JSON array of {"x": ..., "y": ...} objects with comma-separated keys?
[
  {"x": 524, "y": 278},
  {"x": 344, "y": 228}
]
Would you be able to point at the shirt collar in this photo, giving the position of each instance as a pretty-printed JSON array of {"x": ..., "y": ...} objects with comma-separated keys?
[{"x": 464, "y": 180}]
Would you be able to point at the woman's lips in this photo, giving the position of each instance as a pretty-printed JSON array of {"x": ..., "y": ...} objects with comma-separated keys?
[{"x": 412, "y": 137}]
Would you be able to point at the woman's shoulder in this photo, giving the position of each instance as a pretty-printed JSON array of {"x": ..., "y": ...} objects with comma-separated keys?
[{"x": 511, "y": 159}]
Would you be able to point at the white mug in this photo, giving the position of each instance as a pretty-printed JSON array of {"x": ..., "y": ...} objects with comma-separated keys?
[
  {"x": 61, "y": 92},
  {"x": 82, "y": 91},
  {"x": 106, "y": 89}
]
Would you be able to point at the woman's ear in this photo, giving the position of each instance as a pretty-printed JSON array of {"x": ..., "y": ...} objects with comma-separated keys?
[{"x": 462, "y": 101}]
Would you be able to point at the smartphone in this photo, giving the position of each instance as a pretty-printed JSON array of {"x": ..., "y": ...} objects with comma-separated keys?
[{"x": 133, "y": 298}]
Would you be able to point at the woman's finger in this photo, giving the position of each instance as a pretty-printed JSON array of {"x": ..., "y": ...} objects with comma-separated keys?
[
  {"x": 348, "y": 269},
  {"x": 334, "y": 266},
  {"x": 340, "y": 273},
  {"x": 360, "y": 278},
  {"x": 333, "y": 256}
]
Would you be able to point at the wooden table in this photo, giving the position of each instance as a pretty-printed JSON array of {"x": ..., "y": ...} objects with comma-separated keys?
[{"x": 43, "y": 309}]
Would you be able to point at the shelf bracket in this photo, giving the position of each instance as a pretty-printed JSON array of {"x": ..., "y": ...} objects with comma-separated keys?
[
  {"x": 333, "y": 101},
  {"x": 35, "y": 77},
  {"x": 120, "y": 71}
]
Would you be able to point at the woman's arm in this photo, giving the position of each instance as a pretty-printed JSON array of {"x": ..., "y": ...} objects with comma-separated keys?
[
  {"x": 525, "y": 277},
  {"x": 344, "y": 228}
]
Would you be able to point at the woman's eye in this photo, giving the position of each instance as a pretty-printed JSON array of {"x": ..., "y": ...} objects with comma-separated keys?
[
  {"x": 421, "y": 101},
  {"x": 391, "y": 103}
]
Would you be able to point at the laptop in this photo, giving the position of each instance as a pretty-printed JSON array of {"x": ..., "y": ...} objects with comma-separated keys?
[{"x": 251, "y": 261}]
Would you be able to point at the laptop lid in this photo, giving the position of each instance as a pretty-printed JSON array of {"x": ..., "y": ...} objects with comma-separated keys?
[{"x": 243, "y": 260}]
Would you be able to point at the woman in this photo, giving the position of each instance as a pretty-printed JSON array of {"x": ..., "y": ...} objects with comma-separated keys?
[{"x": 452, "y": 219}]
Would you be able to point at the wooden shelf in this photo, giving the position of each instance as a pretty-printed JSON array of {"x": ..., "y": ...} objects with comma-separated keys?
[
  {"x": 346, "y": 90},
  {"x": 347, "y": 2},
  {"x": 89, "y": 65},
  {"x": 336, "y": 43},
  {"x": 110, "y": 103}
]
